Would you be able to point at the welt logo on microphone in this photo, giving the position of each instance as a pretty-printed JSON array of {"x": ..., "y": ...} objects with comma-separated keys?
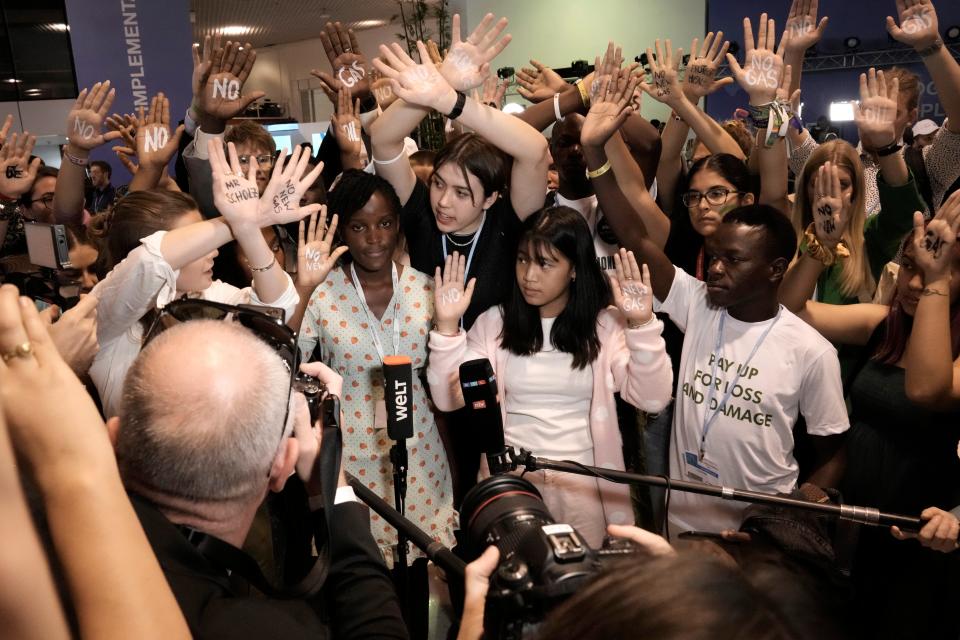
[{"x": 401, "y": 399}]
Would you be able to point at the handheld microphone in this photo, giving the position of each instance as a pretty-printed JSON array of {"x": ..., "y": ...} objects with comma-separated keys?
[
  {"x": 397, "y": 391},
  {"x": 479, "y": 386}
]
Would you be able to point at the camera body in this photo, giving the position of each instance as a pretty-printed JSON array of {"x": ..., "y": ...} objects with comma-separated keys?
[
  {"x": 313, "y": 390},
  {"x": 542, "y": 562}
]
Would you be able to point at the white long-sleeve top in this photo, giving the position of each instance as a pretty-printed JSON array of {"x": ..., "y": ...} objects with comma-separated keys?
[{"x": 142, "y": 281}]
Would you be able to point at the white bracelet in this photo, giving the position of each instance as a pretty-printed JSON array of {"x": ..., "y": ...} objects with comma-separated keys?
[
  {"x": 640, "y": 326},
  {"x": 556, "y": 107},
  {"x": 402, "y": 154}
]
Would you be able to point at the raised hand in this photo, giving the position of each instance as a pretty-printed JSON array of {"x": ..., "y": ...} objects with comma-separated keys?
[
  {"x": 918, "y": 26},
  {"x": 764, "y": 66},
  {"x": 877, "y": 114},
  {"x": 346, "y": 123},
  {"x": 831, "y": 209},
  {"x": 419, "y": 84},
  {"x": 664, "y": 83},
  {"x": 155, "y": 145},
  {"x": 632, "y": 292},
  {"x": 315, "y": 258},
  {"x": 87, "y": 115},
  {"x": 609, "y": 108},
  {"x": 18, "y": 172},
  {"x": 382, "y": 89},
  {"x": 280, "y": 202},
  {"x": 202, "y": 64},
  {"x": 701, "y": 74},
  {"x": 122, "y": 122},
  {"x": 348, "y": 63},
  {"x": 235, "y": 195},
  {"x": 220, "y": 96},
  {"x": 493, "y": 91},
  {"x": 5, "y": 129},
  {"x": 802, "y": 27},
  {"x": 933, "y": 246},
  {"x": 468, "y": 61},
  {"x": 450, "y": 297},
  {"x": 539, "y": 82}
]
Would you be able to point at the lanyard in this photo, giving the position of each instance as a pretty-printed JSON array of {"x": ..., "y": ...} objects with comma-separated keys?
[
  {"x": 473, "y": 247},
  {"x": 372, "y": 322},
  {"x": 709, "y": 419}
]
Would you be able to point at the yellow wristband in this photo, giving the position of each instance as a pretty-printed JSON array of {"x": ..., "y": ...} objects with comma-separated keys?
[
  {"x": 584, "y": 94},
  {"x": 599, "y": 172}
]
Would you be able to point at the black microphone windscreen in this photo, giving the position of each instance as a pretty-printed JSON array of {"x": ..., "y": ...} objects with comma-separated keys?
[{"x": 397, "y": 392}]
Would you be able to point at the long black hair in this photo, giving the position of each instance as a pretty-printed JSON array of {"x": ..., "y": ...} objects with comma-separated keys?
[{"x": 575, "y": 330}]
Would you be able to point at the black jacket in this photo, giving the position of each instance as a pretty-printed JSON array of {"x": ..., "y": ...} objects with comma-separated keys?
[{"x": 356, "y": 601}]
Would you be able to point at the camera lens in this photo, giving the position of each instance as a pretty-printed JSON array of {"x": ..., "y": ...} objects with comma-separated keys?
[{"x": 501, "y": 510}]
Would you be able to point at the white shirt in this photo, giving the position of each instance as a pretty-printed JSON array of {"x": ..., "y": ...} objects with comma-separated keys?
[
  {"x": 750, "y": 443},
  {"x": 548, "y": 403},
  {"x": 142, "y": 281}
]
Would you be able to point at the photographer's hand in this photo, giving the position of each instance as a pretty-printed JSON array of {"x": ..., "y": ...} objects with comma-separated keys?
[
  {"x": 477, "y": 583},
  {"x": 74, "y": 334},
  {"x": 649, "y": 542},
  {"x": 310, "y": 436}
]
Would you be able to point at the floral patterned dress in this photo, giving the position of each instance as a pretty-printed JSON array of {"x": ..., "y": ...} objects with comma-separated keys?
[{"x": 336, "y": 323}]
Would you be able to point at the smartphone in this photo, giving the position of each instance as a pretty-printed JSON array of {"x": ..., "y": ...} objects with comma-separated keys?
[{"x": 47, "y": 245}]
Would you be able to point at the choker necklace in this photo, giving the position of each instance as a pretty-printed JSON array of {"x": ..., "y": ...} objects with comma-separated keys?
[{"x": 463, "y": 244}]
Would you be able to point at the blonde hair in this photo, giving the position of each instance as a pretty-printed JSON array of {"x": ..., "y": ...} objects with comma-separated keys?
[{"x": 856, "y": 279}]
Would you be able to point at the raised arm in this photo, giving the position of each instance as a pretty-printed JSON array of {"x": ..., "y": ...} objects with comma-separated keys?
[
  {"x": 155, "y": 144},
  {"x": 802, "y": 32},
  {"x": 919, "y": 28},
  {"x": 766, "y": 81},
  {"x": 17, "y": 171},
  {"x": 932, "y": 376},
  {"x": 822, "y": 245},
  {"x": 315, "y": 259},
  {"x": 346, "y": 127},
  {"x": 605, "y": 118},
  {"x": 116, "y": 585},
  {"x": 876, "y": 121},
  {"x": 84, "y": 134}
]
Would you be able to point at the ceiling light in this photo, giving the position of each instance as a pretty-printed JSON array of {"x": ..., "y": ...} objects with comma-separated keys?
[
  {"x": 852, "y": 43},
  {"x": 369, "y": 24},
  {"x": 12, "y": 81},
  {"x": 58, "y": 26},
  {"x": 952, "y": 33},
  {"x": 235, "y": 30}
]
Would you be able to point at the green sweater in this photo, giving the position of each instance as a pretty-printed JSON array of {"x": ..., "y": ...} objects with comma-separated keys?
[{"x": 882, "y": 234}]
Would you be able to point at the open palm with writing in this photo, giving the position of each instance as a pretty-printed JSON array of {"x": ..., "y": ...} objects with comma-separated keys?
[
  {"x": 280, "y": 202},
  {"x": 315, "y": 256},
  {"x": 831, "y": 209},
  {"x": 631, "y": 288},
  {"x": 467, "y": 62},
  {"x": 347, "y": 62},
  {"x": 664, "y": 85},
  {"x": 802, "y": 25},
  {"x": 762, "y": 70},
  {"x": 222, "y": 96},
  {"x": 701, "y": 75},
  {"x": 934, "y": 246},
  {"x": 17, "y": 172},
  {"x": 877, "y": 114},
  {"x": 346, "y": 123},
  {"x": 419, "y": 84},
  {"x": 451, "y": 298},
  {"x": 85, "y": 120},
  {"x": 155, "y": 145},
  {"x": 918, "y": 26},
  {"x": 609, "y": 108},
  {"x": 235, "y": 195}
]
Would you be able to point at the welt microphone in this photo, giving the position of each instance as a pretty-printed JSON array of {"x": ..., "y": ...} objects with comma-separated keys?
[
  {"x": 479, "y": 386},
  {"x": 397, "y": 391}
]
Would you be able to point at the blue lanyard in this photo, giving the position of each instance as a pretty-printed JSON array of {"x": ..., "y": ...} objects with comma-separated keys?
[
  {"x": 473, "y": 247},
  {"x": 709, "y": 419}
]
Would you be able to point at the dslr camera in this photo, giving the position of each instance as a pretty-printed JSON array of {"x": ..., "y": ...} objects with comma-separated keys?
[{"x": 542, "y": 562}]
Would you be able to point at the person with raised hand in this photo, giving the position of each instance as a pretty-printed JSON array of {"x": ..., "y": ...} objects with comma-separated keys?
[
  {"x": 905, "y": 410},
  {"x": 538, "y": 82},
  {"x": 219, "y": 76},
  {"x": 559, "y": 353},
  {"x": 316, "y": 257},
  {"x": 156, "y": 247},
  {"x": 113, "y": 579},
  {"x": 84, "y": 134},
  {"x": 466, "y": 207},
  {"x": 846, "y": 268},
  {"x": 17, "y": 171},
  {"x": 155, "y": 145},
  {"x": 368, "y": 308},
  {"x": 804, "y": 32},
  {"x": 346, "y": 127}
]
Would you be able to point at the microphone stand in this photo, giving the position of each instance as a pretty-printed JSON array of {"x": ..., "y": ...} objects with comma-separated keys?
[
  {"x": 398, "y": 457},
  {"x": 509, "y": 460}
]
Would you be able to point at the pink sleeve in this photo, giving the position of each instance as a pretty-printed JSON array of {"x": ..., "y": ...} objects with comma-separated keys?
[
  {"x": 447, "y": 353},
  {"x": 641, "y": 369}
]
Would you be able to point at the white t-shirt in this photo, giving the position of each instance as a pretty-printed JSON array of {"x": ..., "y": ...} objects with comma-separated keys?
[
  {"x": 548, "y": 403},
  {"x": 750, "y": 443}
]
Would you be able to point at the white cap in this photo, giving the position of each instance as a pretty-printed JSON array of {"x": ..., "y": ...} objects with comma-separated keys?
[{"x": 925, "y": 127}]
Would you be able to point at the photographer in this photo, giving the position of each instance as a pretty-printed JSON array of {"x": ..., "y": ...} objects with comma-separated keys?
[{"x": 196, "y": 490}]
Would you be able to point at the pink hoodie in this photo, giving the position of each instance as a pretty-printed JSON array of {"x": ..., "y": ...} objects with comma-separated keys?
[{"x": 632, "y": 362}]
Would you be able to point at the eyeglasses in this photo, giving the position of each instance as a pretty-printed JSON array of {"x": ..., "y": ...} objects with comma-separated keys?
[
  {"x": 715, "y": 197},
  {"x": 267, "y": 323},
  {"x": 263, "y": 160},
  {"x": 47, "y": 200}
]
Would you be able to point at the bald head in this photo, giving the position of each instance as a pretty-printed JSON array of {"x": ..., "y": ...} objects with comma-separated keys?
[{"x": 202, "y": 412}]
